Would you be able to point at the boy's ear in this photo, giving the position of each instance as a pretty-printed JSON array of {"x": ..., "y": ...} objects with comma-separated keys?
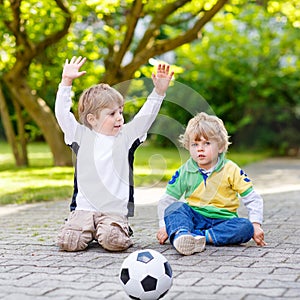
[
  {"x": 91, "y": 119},
  {"x": 221, "y": 150}
]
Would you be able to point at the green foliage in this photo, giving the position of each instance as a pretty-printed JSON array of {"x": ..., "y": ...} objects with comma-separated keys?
[
  {"x": 246, "y": 67},
  {"x": 245, "y": 63}
]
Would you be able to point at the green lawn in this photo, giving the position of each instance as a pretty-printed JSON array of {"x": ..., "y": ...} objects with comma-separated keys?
[{"x": 43, "y": 182}]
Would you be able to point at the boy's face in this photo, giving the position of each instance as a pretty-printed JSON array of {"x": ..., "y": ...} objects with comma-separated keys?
[
  {"x": 204, "y": 152},
  {"x": 109, "y": 121}
]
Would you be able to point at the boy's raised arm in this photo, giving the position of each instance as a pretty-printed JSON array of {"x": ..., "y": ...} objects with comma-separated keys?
[{"x": 65, "y": 118}]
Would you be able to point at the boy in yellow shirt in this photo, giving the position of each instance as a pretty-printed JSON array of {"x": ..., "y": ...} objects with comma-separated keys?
[{"x": 211, "y": 186}]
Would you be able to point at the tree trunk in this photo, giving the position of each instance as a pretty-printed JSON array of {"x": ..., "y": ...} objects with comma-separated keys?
[
  {"x": 42, "y": 115},
  {"x": 22, "y": 141},
  {"x": 9, "y": 131}
]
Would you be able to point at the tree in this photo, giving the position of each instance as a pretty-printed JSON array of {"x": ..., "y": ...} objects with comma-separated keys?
[
  {"x": 251, "y": 80},
  {"x": 123, "y": 35},
  {"x": 28, "y": 45}
]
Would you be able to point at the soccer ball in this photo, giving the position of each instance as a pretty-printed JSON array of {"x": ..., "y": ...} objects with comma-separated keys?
[{"x": 146, "y": 274}]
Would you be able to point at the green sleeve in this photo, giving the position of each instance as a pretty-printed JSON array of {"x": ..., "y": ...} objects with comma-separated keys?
[{"x": 176, "y": 186}]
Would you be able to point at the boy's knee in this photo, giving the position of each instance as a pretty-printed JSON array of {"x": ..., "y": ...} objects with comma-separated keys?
[
  {"x": 77, "y": 232},
  {"x": 247, "y": 228},
  {"x": 113, "y": 237},
  {"x": 174, "y": 207},
  {"x": 73, "y": 239}
]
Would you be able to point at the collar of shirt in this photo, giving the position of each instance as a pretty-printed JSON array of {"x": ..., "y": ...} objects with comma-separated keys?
[
  {"x": 209, "y": 171},
  {"x": 192, "y": 167}
]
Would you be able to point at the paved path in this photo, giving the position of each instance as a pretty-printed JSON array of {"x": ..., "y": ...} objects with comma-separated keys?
[{"x": 31, "y": 267}]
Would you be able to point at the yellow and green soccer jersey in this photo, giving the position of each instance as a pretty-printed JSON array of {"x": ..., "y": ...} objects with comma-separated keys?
[{"x": 217, "y": 196}]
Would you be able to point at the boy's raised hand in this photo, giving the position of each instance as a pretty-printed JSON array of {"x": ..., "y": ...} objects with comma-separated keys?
[
  {"x": 162, "y": 78},
  {"x": 71, "y": 70}
]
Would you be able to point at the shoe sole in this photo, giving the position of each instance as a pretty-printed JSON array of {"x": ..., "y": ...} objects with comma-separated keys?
[{"x": 188, "y": 244}]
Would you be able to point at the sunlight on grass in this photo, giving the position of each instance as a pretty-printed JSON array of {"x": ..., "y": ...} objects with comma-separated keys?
[
  {"x": 32, "y": 184},
  {"x": 42, "y": 181},
  {"x": 155, "y": 166},
  {"x": 39, "y": 182}
]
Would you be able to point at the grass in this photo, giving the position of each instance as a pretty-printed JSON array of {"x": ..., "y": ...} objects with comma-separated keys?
[
  {"x": 39, "y": 182},
  {"x": 43, "y": 182}
]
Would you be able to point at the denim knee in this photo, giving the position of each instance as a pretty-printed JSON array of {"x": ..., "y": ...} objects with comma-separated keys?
[
  {"x": 174, "y": 207},
  {"x": 232, "y": 232},
  {"x": 247, "y": 228}
]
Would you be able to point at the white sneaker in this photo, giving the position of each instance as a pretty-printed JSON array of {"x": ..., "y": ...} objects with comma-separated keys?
[{"x": 188, "y": 243}]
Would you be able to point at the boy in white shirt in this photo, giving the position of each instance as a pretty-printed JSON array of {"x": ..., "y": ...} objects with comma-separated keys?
[{"x": 101, "y": 144}]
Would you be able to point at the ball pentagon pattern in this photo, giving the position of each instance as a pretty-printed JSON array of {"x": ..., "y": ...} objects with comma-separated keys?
[{"x": 146, "y": 274}]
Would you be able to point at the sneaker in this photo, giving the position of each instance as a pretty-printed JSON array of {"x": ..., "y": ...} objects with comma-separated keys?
[{"x": 187, "y": 243}]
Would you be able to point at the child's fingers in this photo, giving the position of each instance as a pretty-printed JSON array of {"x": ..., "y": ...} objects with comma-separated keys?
[
  {"x": 82, "y": 62},
  {"x": 162, "y": 68},
  {"x": 259, "y": 240},
  {"x": 73, "y": 59},
  {"x": 262, "y": 243},
  {"x": 81, "y": 73},
  {"x": 78, "y": 60},
  {"x": 162, "y": 239},
  {"x": 171, "y": 75}
]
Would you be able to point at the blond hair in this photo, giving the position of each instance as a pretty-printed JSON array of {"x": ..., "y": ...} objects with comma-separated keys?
[
  {"x": 96, "y": 98},
  {"x": 207, "y": 126}
]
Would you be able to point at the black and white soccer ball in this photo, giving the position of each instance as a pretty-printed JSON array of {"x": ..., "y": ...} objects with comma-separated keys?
[{"x": 146, "y": 274}]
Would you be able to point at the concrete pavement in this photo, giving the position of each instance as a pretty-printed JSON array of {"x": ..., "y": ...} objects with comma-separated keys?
[{"x": 31, "y": 267}]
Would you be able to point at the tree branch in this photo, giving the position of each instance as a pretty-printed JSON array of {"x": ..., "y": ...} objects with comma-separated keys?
[
  {"x": 161, "y": 46},
  {"x": 184, "y": 20},
  {"x": 55, "y": 37},
  {"x": 158, "y": 19},
  {"x": 15, "y": 25},
  {"x": 27, "y": 50},
  {"x": 132, "y": 20}
]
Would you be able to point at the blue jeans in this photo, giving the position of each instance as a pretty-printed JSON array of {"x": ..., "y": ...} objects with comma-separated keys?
[{"x": 233, "y": 231}]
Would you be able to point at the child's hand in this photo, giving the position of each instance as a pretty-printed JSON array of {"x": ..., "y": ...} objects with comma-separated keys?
[
  {"x": 162, "y": 78},
  {"x": 162, "y": 235},
  {"x": 71, "y": 70},
  {"x": 259, "y": 236}
]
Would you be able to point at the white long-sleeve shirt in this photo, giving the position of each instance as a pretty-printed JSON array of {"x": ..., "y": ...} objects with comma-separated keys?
[{"x": 102, "y": 161}]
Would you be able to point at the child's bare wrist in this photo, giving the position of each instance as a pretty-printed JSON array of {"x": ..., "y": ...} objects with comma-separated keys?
[
  {"x": 66, "y": 81},
  {"x": 159, "y": 92},
  {"x": 257, "y": 226}
]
